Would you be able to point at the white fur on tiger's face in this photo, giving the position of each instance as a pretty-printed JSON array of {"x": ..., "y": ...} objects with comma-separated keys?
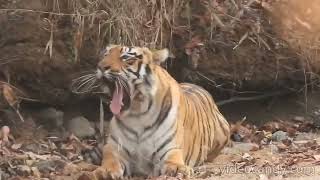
[
  {"x": 159, "y": 126},
  {"x": 127, "y": 71}
]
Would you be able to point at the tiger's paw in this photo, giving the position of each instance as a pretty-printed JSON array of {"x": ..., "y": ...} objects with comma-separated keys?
[
  {"x": 102, "y": 173},
  {"x": 172, "y": 169}
]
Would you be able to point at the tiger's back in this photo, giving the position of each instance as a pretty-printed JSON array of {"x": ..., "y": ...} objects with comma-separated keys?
[{"x": 206, "y": 131}]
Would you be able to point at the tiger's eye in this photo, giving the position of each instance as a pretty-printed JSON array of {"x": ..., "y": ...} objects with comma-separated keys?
[
  {"x": 124, "y": 57},
  {"x": 130, "y": 61}
]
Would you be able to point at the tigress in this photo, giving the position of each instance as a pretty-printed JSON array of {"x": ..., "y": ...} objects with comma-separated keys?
[{"x": 159, "y": 127}]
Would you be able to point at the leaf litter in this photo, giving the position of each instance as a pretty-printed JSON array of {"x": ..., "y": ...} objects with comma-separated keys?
[{"x": 62, "y": 157}]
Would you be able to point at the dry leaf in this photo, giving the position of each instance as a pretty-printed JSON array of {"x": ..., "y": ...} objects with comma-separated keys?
[
  {"x": 70, "y": 168},
  {"x": 78, "y": 39},
  {"x": 272, "y": 126},
  {"x": 193, "y": 43},
  {"x": 4, "y": 133},
  {"x": 12, "y": 99},
  {"x": 35, "y": 171},
  {"x": 9, "y": 95},
  {"x": 247, "y": 157},
  {"x": 41, "y": 157},
  {"x": 255, "y": 147},
  {"x": 16, "y": 146},
  {"x": 291, "y": 131},
  {"x": 282, "y": 147}
]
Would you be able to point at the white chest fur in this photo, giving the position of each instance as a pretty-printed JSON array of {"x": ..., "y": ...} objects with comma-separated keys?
[{"x": 141, "y": 144}]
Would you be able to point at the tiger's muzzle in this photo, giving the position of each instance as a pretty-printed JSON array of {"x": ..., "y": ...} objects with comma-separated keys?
[{"x": 116, "y": 89}]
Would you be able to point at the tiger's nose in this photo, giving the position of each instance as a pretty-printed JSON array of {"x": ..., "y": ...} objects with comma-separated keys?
[{"x": 103, "y": 68}]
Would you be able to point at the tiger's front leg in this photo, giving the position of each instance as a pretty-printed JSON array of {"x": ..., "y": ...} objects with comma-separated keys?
[
  {"x": 174, "y": 164},
  {"x": 111, "y": 166}
]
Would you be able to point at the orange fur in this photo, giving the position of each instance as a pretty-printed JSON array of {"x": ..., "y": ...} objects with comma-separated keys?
[{"x": 186, "y": 111}]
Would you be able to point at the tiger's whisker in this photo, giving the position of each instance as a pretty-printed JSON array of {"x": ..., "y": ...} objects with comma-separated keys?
[
  {"x": 84, "y": 83},
  {"x": 77, "y": 83},
  {"x": 80, "y": 83},
  {"x": 89, "y": 87},
  {"x": 120, "y": 82},
  {"x": 91, "y": 74},
  {"x": 125, "y": 85},
  {"x": 83, "y": 77}
]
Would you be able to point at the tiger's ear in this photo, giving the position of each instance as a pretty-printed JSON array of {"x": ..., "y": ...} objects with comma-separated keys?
[
  {"x": 160, "y": 56},
  {"x": 106, "y": 50},
  {"x": 110, "y": 46}
]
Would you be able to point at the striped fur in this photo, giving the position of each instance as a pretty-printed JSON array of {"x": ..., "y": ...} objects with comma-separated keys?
[{"x": 167, "y": 128}]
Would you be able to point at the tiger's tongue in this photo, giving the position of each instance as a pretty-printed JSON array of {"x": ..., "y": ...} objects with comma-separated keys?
[{"x": 116, "y": 101}]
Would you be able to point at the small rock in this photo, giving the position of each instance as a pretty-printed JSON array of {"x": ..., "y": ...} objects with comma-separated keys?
[
  {"x": 36, "y": 172},
  {"x": 51, "y": 117},
  {"x": 49, "y": 166},
  {"x": 316, "y": 157},
  {"x": 4, "y": 175},
  {"x": 247, "y": 157},
  {"x": 240, "y": 148},
  {"x": 299, "y": 118},
  {"x": 273, "y": 148},
  {"x": 282, "y": 147},
  {"x": 279, "y": 136},
  {"x": 23, "y": 170},
  {"x": 45, "y": 166},
  {"x": 33, "y": 147},
  {"x": 305, "y": 136},
  {"x": 16, "y": 146},
  {"x": 70, "y": 169},
  {"x": 81, "y": 127},
  {"x": 93, "y": 156},
  {"x": 236, "y": 137}
]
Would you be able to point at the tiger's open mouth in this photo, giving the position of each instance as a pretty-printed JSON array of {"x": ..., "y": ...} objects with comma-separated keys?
[{"x": 117, "y": 92}]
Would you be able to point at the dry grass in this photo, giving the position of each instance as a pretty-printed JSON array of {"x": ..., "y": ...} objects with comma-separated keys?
[
  {"x": 243, "y": 49},
  {"x": 298, "y": 22},
  {"x": 228, "y": 45},
  {"x": 136, "y": 23}
]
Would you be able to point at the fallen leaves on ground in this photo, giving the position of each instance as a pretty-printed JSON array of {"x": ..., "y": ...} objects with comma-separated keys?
[
  {"x": 44, "y": 158},
  {"x": 63, "y": 158},
  {"x": 279, "y": 136}
]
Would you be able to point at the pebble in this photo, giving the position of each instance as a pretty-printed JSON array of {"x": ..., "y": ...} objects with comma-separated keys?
[
  {"x": 299, "y": 118},
  {"x": 81, "y": 127},
  {"x": 51, "y": 117},
  {"x": 49, "y": 166},
  {"x": 279, "y": 136},
  {"x": 236, "y": 137},
  {"x": 247, "y": 157},
  {"x": 240, "y": 148},
  {"x": 33, "y": 147},
  {"x": 93, "y": 156},
  {"x": 23, "y": 170},
  {"x": 273, "y": 148},
  {"x": 305, "y": 136},
  {"x": 4, "y": 175}
]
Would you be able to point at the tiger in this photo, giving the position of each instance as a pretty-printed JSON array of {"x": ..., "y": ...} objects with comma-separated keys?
[{"x": 159, "y": 126}]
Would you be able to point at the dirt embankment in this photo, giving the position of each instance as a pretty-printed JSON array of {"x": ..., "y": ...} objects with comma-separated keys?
[{"x": 226, "y": 46}]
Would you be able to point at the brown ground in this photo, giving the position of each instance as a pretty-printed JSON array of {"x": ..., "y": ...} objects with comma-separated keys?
[{"x": 45, "y": 152}]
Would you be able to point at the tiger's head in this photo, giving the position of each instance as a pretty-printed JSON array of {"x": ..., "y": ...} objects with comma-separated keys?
[{"x": 128, "y": 71}]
